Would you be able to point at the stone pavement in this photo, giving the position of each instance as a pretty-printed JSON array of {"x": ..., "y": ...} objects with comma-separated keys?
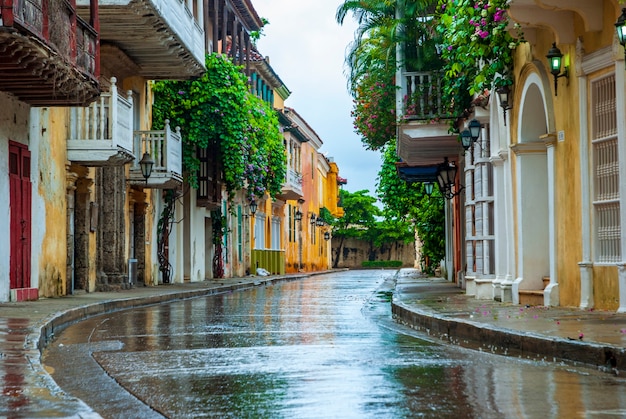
[{"x": 434, "y": 306}]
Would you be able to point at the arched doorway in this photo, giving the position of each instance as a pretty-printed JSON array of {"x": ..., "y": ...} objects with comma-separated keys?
[{"x": 533, "y": 206}]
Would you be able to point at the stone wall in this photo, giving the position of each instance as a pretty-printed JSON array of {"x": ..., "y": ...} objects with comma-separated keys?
[{"x": 354, "y": 252}]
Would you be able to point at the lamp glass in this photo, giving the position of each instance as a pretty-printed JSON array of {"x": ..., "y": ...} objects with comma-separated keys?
[
  {"x": 451, "y": 174},
  {"x": 428, "y": 188},
  {"x": 503, "y": 94},
  {"x": 474, "y": 129},
  {"x": 554, "y": 59}
]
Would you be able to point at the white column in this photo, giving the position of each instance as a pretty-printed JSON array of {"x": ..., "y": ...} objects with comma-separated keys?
[
  {"x": 620, "y": 87},
  {"x": 585, "y": 265},
  {"x": 551, "y": 292}
]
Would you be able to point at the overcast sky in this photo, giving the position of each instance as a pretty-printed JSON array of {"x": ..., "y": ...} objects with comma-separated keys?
[{"x": 306, "y": 48}]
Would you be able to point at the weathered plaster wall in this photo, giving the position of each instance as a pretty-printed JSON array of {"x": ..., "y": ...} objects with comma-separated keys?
[
  {"x": 14, "y": 125},
  {"x": 354, "y": 252},
  {"x": 49, "y": 226}
]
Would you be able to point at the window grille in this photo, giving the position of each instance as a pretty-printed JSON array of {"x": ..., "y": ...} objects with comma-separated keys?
[{"x": 606, "y": 204}]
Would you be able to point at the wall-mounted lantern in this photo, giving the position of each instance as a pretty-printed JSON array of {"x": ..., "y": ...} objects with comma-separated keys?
[
  {"x": 146, "y": 164},
  {"x": 446, "y": 177},
  {"x": 554, "y": 61},
  {"x": 312, "y": 219},
  {"x": 298, "y": 215},
  {"x": 620, "y": 27},
  {"x": 253, "y": 207},
  {"x": 504, "y": 93},
  {"x": 326, "y": 235}
]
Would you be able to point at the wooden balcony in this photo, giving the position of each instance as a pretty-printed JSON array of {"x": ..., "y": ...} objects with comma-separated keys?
[
  {"x": 102, "y": 133},
  {"x": 423, "y": 135},
  {"x": 162, "y": 38},
  {"x": 48, "y": 55},
  {"x": 292, "y": 188},
  {"x": 166, "y": 148}
]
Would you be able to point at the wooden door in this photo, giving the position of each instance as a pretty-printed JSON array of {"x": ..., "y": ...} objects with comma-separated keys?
[{"x": 20, "y": 208}]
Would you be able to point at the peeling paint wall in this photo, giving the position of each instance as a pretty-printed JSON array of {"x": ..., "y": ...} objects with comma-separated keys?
[{"x": 14, "y": 125}]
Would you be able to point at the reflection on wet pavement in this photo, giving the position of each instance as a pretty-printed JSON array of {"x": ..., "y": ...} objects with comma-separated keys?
[
  {"x": 316, "y": 348},
  {"x": 13, "y": 362}
]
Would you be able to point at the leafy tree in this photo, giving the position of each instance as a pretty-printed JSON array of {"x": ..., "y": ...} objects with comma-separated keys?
[
  {"x": 359, "y": 217},
  {"x": 218, "y": 108},
  {"x": 409, "y": 202}
]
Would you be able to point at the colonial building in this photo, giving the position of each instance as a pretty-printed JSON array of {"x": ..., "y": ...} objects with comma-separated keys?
[{"x": 541, "y": 213}]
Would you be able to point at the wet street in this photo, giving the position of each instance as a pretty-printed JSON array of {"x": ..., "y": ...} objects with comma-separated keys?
[{"x": 323, "y": 347}]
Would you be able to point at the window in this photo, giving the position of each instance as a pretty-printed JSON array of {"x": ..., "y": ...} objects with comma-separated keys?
[
  {"x": 259, "y": 232},
  {"x": 606, "y": 204},
  {"x": 275, "y": 233}
]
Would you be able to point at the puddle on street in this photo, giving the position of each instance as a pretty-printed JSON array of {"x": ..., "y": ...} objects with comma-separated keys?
[{"x": 323, "y": 347}]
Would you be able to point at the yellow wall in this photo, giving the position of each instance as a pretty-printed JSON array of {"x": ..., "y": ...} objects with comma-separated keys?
[{"x": 529, "y": 59}]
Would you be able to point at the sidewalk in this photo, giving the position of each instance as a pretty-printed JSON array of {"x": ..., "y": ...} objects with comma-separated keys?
[
  {"x": 434, "y": 306},
  {"x": 439, "y": 308}
]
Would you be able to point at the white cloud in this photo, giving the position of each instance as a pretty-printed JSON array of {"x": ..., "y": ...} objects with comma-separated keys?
[{"x": 307, "y": 49}]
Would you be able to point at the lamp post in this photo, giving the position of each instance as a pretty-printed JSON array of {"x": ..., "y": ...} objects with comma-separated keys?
[{"x": 146, "y": 164}]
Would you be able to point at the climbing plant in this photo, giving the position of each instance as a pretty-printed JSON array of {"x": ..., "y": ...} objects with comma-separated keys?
[
  {"x": 218, "y": 107},
  {"x": 477, "y": 48}
]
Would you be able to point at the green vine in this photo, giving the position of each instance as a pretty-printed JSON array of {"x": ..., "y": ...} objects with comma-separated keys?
[
  {"x": 477, "y": 48},
  {"x": 218, "y": 107}
]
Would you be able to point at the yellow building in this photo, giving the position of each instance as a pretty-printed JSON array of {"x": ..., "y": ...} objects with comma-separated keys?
[{"x": 567, "y": 156}]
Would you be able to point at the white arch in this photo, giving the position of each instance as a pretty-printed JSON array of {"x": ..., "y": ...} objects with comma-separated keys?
[{"x": 534, "y": 185}]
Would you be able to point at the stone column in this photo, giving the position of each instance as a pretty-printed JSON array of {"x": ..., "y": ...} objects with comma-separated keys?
[{"x": 70, "y": 187}]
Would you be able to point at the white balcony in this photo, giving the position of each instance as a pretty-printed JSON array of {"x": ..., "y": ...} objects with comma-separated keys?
[
  {"x": 165, "y": 147},
  {"x": 423, "y": 136},
  {"x": 101, "y": 134},
  {"x": 164, "y": 38},
  {"x": 292, "y": 188}
]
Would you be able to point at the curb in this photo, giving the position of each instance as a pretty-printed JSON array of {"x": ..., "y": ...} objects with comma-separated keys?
[{"x": 508, "y": 342}]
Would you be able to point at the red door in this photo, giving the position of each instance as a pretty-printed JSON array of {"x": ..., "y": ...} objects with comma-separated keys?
[{"x": 20, "y": 208}]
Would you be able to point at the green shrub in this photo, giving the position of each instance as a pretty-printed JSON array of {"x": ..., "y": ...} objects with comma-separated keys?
[{"x": 381, "y": 263}]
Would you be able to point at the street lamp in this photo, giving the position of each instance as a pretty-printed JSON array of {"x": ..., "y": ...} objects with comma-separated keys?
[
  {"x": 146, "y": 164},
  {"x": 503, "y": 94},
  {"x": 466, "y": 139},
  {"x": 554, "y": 61},
  {"x": 428, "y": 188},
  {"x": 446, "y": 177},
  {"x": 474, "y": 129}
]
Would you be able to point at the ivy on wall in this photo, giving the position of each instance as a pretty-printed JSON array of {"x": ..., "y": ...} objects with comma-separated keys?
[
  {"x": 477, "y": 47},
  {"x": 218, "y": 107}
]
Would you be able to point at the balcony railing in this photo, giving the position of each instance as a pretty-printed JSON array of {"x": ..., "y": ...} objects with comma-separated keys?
[
  {"x": 48, "y": 76},
  {"x": 292, "y": 188},
  {"x": 165, "y": 147},
  {"x": 421, "y": 92},
  {"x": 165, "y": 38},
  {"x": 101, "y": 134}
]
